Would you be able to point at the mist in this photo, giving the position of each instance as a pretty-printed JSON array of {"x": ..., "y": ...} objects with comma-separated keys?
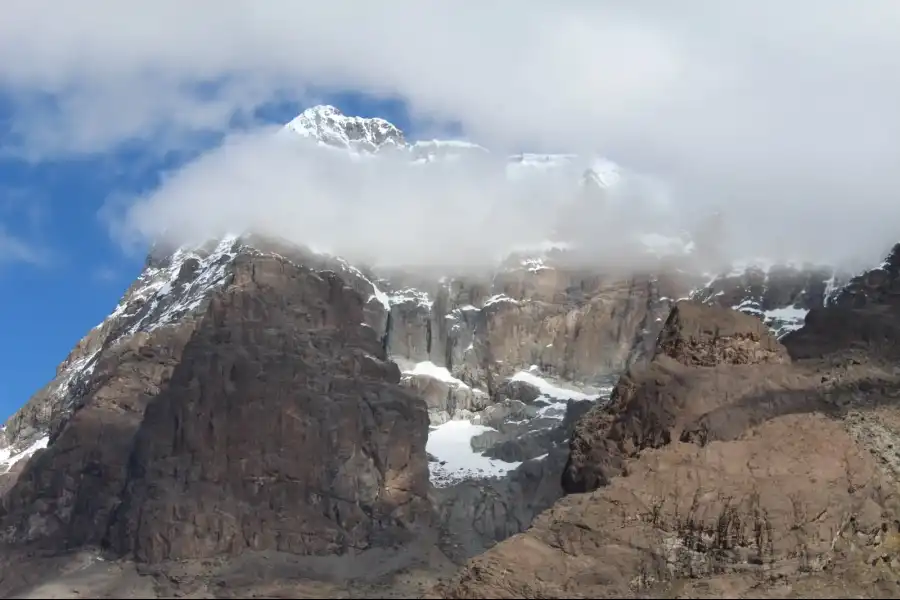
[
  {"x": 469, "y": 213},
  {"x": 782, "y": 115},
  {"x": 382, "y": 209}
]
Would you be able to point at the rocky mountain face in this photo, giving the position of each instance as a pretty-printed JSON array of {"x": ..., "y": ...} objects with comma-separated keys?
[
  {"x": 254, "y": 400},
  {"x": 159, "y": 456},
  {"x": 730, "y": 465}
]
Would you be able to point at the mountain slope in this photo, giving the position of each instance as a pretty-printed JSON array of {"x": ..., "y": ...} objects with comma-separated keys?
[
  {"x": 221, "y": 395},
  {"x": 729, "y": 466}
]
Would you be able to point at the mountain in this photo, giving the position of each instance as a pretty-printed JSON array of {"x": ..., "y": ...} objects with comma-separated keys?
[
  {"x": 253, "y": 399},
  {"x": 730, "y": 465}
]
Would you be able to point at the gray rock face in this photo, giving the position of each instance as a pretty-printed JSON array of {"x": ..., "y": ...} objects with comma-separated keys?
[
  {"x": 645, "y": 405},
  {"x": 477, "y": 513},
  {"x": 444, "y": 399},
  {"x": 779, "y": 295}
]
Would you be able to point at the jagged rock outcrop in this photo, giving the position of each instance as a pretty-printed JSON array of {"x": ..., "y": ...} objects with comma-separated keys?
[
  {"x": 654, "y": 404},
  {"x": 444, "y": 397},
  {"x": 698, "y": 336},
  {"x": 726, "y": 468},
  {"x": 879, "y": 286}
]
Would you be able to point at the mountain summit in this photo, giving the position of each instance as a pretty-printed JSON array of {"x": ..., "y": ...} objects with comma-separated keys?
[{"x": 330, "y": 126}]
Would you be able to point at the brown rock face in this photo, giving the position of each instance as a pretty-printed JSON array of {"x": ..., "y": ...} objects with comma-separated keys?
[
  {"x": 653, "y": 404},
  {"x": 65, "y": 495},
  {"x": 724, "y": 469},
  {"x": 273, "y": 421},
  {"x": 731, "y": 519},
  {"x": 702, "y": 336}
]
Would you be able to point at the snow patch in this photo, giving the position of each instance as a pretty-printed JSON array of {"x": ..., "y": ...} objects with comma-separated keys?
[
  {"x": 169, "y": 302},
  {"x": 784, "y": 320},
  {"x": 497, "y": 299},
  {"x": 330, "y": 127},
  {"x": 831, "y": 290},
  {"x": 432, "y": 370},
  {"x": 377, "y": 294},
  {"x": 451, "y": 444},
  {"x": 548, "y": 389},
  {"x": 534, "y": 264},
  {"x": 410, "y": 295},
  {"x": 8, "y": 458}
]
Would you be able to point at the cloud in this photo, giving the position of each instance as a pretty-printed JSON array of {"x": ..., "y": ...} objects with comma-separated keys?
[
  {"x": 381, "y": 209},
  {"x": 16, "y": 249},
  {"x": 783, "y": 113},
  {"x": 22, "y": 215}
]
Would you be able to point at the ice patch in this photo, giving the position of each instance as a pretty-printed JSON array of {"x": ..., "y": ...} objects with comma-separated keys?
[
  {"x": 784, "y": 320},
  {"x": 451, "y": 444},
  {"x": 498, "y": 298},
  {"x": 534, "y": 264},
  {"x": 410, "y": 295},
  {"x": 550, "y": 390},
  {"x": 432, "y": 370},
  {"x": 8, "y": 459}
]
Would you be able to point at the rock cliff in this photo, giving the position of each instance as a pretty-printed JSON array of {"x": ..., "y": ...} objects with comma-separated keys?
[
  {"x": 269, "y": 420},
  {"x": 731, "y": 465}
]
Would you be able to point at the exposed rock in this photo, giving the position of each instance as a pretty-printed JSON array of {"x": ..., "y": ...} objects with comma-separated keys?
[
  {"x": 518, "y": 390},
  {"x": 697, "y": 335},
  {"x": 726, "y": 520},
  {"x": 651, "y": 405},
  {"x": 779, "y": 295},
  {"x": 478, "y": 513},
  {"x": 876, "y": 286},
  {"x": 445, "y": 399},
  {"x": 137, "y": 427},
  {"x": 271, "y": 422},
  {"x": 724, "y": 469}
]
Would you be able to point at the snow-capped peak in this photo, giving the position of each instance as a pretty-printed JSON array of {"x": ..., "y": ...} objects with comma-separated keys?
[{"x": 330, "y": 126}]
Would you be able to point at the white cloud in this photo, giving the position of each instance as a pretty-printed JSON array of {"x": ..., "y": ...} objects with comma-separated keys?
[
  {"x": 784, "y": 112},
  {"x": 382, "y": 209},
  {"x": 15, "y": 249}
]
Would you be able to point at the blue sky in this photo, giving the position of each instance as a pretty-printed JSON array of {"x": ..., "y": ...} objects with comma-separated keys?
[{"x": 78, "y": 272}]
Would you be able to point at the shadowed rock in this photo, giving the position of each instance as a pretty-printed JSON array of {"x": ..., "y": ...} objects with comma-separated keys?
[{"x": 275, "y": 423}]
